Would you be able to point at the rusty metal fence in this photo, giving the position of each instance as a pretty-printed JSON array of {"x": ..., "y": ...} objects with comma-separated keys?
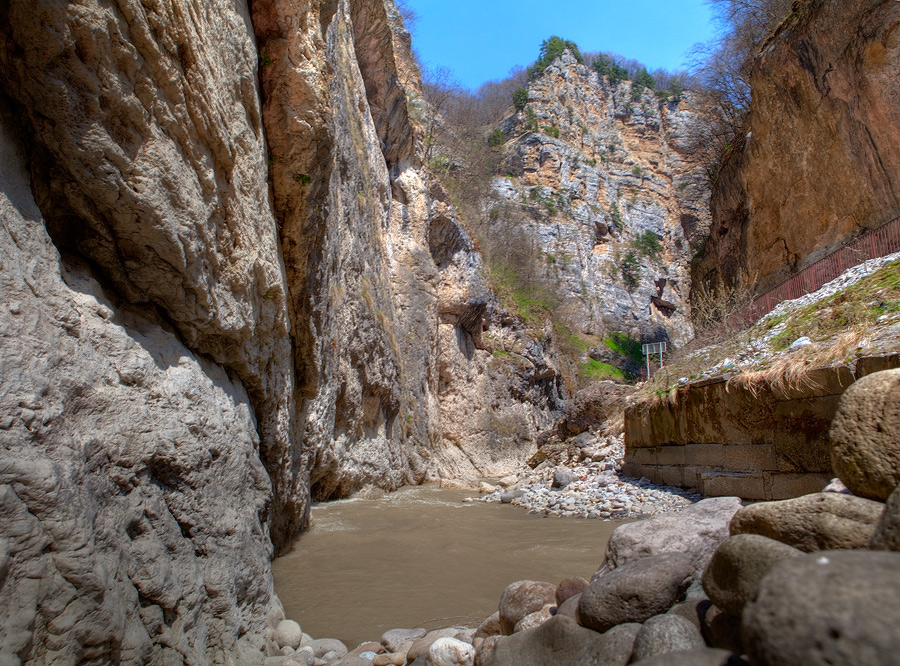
[{"x": 871, "y": 245}]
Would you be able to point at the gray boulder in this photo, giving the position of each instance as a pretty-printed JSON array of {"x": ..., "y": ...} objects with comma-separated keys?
[
  {"x": 887, "y": 532},
  {"x": 323, "y": 646},
  {"x": 558, "y": 641},
  {"x": 698, "y": 657},
  {"x": 821, "y": 521},
  {"x": 569, "y": 588},
  {"x": 697, "y": 530},
  {"x": 613, "y": 648},
  {"x": 490, "y": 626},
  {"x": 636, "y": 591},
  {"x": 834, "y": 608},
  {"x": 720, "y": 629},
  {"x": 666, "y": 633},
  {"x": 865, "y": 436},
  {"x": 394, "y": 639},
  {"x": 562, "y": 477},
  {"x": 535, "y": 619},
  {"x": 738, "y": 566},
  {"x": 523, "y": 598},
  {"x": 288, "y": 634}
]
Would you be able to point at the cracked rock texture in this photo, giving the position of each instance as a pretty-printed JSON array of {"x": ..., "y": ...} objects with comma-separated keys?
[
  {"x": 820, "y": 161},
  {"x": 595, "y": 170},
  {"x": 228, "y": 287}
]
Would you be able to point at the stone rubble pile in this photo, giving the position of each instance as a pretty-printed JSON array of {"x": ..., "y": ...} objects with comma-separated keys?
[
  {"x": 583, "y": 479},
  {"x": 810, "y": 580}
]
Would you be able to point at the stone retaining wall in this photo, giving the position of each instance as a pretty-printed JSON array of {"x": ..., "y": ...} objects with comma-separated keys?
[{"x": 722, "y": 438}]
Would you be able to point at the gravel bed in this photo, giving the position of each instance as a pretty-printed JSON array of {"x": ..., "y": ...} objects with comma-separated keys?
[{"x": 583, "y": 479}]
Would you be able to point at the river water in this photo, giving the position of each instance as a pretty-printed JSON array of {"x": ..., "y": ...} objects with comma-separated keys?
[{"x": 422, "y": 557}]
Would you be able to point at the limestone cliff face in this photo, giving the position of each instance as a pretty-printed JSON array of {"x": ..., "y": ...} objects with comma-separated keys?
[
  {"x": 228, "y": 286},
  {"x": 590, "y": 169},
  {"x": 821, "y": 159}
]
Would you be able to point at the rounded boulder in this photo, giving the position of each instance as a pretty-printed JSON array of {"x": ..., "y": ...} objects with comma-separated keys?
[
  {"x": 523, "y": 598},
  {"x": 666, "y": 633},
  {"x": 288, "y": 634},
  {"x": 636, "y": 591},
  {"x": 821, "y": 521},
  {"x": 865, "y": 436},
  {"x": 887, "y": 532},
  {"x": 738, "y": 566},
  {"x": 834, "y": 608}
]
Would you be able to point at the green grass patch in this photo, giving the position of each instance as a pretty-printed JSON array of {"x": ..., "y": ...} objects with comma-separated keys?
[
  {"x": 532, "y": 302},
  {"x": 570, "y": 339},
  {"x": 592, "y": 369},
  {"x": 625, "y": 346}
]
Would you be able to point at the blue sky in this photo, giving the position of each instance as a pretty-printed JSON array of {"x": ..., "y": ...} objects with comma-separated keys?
[{"x": 481, "y": 40}]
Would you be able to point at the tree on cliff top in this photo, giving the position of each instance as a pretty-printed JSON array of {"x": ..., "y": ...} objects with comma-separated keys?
[{"x": 551, "y": 49}]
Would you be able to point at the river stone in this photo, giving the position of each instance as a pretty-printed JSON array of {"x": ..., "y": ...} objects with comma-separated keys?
[
  {"x": 353, "y": 660},
  {"x": 390, "y": 659},
  {"x": 720, "y": 629},
  {"x": 301, "y": 660},
  {"x": 666, "y": 633},
  {"x": 569, "y": 607},
  {"x": 821, "y": 521},
  {"x": 569, "y": 588},
  {"x": 322, "y": 646},
  {"x": 831, "y": 608},
  {"x": 420, "y": 647},
  {"x": 737, "y": 567},
  {"x": 636, "y": 591},
  {"x": 697, "y": 530},
  {"x": 690, "y": 610},
  {"x": 450, "y": 652},
  {"x": 489, "y": 627},
  {"x": 697, "y": 657},
  {"x": 288, "y": 634},
  {"x": 507, "y": 498},
  {"x": 613, "y": 648},
  {"x": 393, "y": 639},
  {"x": 865, "y": 436},
  {"x": 363, "y": 648},
  {"x": 558, "y": 641},
  {"x": 887, "y": 533},
  {"x": 562, "y": 477},
  {"x": 535, "y": 619},
  {"x": 522, "y": 598}
]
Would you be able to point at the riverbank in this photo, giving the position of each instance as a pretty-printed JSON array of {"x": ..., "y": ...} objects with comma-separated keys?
[{"x": 583, "y": 478}]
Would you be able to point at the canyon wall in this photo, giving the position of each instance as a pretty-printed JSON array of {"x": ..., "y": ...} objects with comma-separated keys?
[
  {"x": 228, "y": 287},
  {"x": 590, "y": 167},
  {"x": 820, "y": 161}
]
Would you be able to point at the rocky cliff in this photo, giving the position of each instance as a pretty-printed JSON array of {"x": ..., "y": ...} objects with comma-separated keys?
[
  {"x": 820, "y": 161},
  {"x": 228, "y": 286},
  {"x": 605, "y": 182}
]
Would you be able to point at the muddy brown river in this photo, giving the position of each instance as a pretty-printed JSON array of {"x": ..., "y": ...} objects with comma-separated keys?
[{"x": 422, "y": 557}]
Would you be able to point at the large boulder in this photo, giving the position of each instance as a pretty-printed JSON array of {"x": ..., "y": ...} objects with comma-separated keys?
[
  {"x": 557, "y": 641},
  {"x": 887, "y": 533},
  {"x": 697, "y": 530},
  {"x": 612, "y": 648},
  {"x": 697, "y": 657},
  {"x": 865, "y": 436},
  {"x": 592, "y": 406},
  {"x": 821, "y": 521},
  {"x": 636, "y": 591},
  {"x": 834, "y": 608},
  {"x": 288, "y": 634},
  {"x": 738, "y": 566},
  {"x": 523, "y": 598},
  {"x": 666, "y": 633}
]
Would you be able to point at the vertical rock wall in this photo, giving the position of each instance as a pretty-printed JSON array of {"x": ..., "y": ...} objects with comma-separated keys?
[
  {"x": 820, "y": 161},
  {"x": 205, "y": 322}
]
